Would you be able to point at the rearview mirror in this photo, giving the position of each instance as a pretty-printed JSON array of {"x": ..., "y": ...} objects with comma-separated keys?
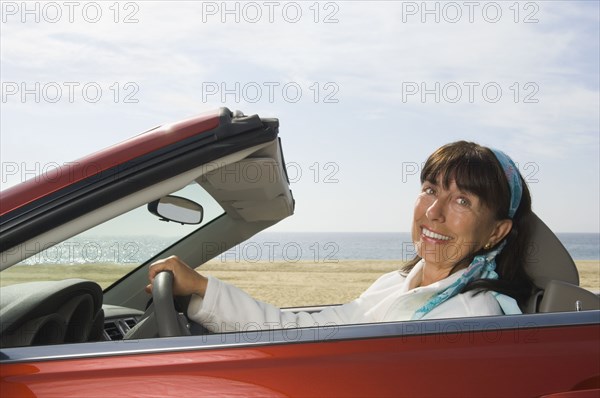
[{"x": 177, "y": 209}]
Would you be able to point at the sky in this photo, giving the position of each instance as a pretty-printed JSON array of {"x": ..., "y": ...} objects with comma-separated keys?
[{"x": 364, "y": 91}]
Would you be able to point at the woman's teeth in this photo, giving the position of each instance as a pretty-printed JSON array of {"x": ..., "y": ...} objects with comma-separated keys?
[{"x": 431, "y": 234}]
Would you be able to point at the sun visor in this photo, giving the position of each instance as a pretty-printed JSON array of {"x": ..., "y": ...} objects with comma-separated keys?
[
  {"x": 255, "y": 188},
  {"x": 273, "y": 210},
  {"x": 252, "y": 179}
]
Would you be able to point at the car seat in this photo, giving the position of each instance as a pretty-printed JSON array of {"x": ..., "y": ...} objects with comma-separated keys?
[{"x": 555, "y": 275}]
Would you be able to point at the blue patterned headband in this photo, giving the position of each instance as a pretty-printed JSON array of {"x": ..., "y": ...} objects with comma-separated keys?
[{"x": 514, "y": 181}]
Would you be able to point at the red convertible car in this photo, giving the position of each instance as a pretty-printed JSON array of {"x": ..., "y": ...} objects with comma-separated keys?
[{"x": 207, "y": 184}]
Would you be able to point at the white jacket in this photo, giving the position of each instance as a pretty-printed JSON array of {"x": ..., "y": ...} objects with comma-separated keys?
[{"x": 226, "y": 308}]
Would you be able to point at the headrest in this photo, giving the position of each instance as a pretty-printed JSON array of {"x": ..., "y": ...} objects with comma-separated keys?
[{"x": 547, "y": 258}]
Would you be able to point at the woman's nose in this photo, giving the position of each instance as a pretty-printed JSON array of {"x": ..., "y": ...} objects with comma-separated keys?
[{"x": 435, "y": 212}]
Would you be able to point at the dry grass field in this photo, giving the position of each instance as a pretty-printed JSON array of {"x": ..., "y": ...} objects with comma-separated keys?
[{"x": 280, "y": 283}]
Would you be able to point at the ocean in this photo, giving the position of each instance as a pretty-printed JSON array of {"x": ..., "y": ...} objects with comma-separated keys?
[
  {"x": 318, "y": 247},
  {"x": 325, "y": 247}
]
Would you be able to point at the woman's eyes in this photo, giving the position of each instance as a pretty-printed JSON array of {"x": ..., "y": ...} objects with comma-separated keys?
[
  {"x": 429, "y": 190},
  {"x": 463, "y": 201}
]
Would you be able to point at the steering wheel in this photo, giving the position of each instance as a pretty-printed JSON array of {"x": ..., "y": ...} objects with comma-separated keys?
[{"x": 167, "y": 318}]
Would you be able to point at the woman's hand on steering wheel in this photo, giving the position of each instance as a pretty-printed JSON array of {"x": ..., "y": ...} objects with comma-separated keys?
[{"x": 186, "y": 281}]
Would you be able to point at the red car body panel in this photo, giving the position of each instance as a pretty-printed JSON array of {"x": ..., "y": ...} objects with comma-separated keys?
[
  {"x": 492, "y": 363},
  {"x": 73, "y": 172}
]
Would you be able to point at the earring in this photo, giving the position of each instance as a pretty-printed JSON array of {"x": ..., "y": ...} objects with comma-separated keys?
[{"x": 487, "y": 246}]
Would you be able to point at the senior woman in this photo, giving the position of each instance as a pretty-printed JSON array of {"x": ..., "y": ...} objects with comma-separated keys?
[{"x": 470, "y": 232}]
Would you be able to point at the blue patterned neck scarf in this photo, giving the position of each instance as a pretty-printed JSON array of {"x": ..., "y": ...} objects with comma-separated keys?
[{"x": 483, "y": 266}]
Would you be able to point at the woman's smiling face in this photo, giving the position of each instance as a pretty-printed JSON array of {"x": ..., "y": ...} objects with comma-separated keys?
[{"x": 450, "y": 224}]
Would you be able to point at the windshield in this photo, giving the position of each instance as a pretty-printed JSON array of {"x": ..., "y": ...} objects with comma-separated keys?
[{"x": 112, "y": 249}]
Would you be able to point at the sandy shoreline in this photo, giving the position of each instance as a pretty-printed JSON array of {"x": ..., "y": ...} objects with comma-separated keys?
[
  {"x": 280, "y": 283},
  {"x": 305, "y": 283},
  {"x": 589, "y": 274}
]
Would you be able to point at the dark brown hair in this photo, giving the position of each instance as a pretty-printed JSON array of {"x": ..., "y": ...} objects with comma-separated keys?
[{"x": 476, "y": 170}]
